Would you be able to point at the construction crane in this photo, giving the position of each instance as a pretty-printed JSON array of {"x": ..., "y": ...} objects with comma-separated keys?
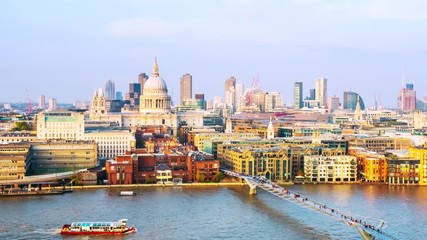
[{"x": 254, "y": 86}]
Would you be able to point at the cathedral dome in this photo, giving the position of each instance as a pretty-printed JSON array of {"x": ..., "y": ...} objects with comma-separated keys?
[
  {"x": 155, "y": 85},
  {"x": 155, "y": 98}
]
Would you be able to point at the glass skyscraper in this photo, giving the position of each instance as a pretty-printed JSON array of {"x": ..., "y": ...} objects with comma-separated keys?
[
  {"x": 350, "y": 101},
  {"x": 298, "y": 92}
]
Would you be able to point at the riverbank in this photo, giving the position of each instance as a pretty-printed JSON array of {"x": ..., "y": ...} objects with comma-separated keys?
[{"x": 158, "y": 185}]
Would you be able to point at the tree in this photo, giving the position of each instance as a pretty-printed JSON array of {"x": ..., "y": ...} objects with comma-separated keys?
[
  {"x": 201, "y": 177},
  {"x": 21, "y": 126},
  {"x": 219, "y": 177}
]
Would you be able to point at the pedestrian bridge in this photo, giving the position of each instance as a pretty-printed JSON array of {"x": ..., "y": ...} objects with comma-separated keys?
[
  {"x": 368, "y": 228},
  {"x": 42, "y": 178}
]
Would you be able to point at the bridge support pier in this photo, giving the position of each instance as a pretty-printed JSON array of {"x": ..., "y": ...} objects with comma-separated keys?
[{"x": 252, "y": 186}]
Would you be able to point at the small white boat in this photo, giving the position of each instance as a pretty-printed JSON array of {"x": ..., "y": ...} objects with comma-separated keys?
[{"x": 127, "y": 193}]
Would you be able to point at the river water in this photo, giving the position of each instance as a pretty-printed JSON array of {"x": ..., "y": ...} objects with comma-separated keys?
[{"x": 217, "y": 212}]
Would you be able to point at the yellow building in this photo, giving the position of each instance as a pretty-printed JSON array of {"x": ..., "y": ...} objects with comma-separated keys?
[
  {"x": 372, "y": 167},
  {"x": 421, "y": 154},
  {"x": 15, "y": 137},
  {"x": 381, "y": 144},
  {"x": 272, "y": 163},
  {"x": 13, "y": 160},
  {"x": 200, "y": 138}
]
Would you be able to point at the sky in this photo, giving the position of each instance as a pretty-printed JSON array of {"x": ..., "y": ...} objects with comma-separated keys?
[{"x": 65, "y": 49}]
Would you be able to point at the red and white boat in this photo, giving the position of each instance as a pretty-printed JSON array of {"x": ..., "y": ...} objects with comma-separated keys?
[{"x": 90, "y": 228}]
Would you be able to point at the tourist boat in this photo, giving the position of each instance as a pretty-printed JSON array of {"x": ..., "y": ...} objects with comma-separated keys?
[{"x": 90, "y": 228}]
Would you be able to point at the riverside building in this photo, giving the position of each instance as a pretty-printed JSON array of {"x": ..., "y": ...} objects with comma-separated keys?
[
  {"x": 14, "y": 159},
  {"x": 330, "y": 169}
]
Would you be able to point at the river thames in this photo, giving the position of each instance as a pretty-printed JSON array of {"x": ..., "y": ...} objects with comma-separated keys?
[{"x": 217, "y": 212}]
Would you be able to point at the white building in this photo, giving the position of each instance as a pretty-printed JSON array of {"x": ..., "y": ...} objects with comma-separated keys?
[
  {"x": 52, "y": 104},
  {"x": 273, "y": 100},
  {"x": 112, "y": 143},
  {"x": 60, "y": 125},
  {"x": 325, "y": 169}
]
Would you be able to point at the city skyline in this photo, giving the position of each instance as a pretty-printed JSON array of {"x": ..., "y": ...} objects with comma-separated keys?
[{"x": 369, "y": 47}]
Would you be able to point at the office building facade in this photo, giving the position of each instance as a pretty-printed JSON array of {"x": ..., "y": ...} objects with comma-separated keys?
[
  {"x": 350, "y": 101},
  {"x": 229, "y": 92},
  {"x": 322, "y": 91},
  {"x": 407, "y": 98},
  {"x": 186, "y": 86},
  {"x": 110, "y": 90},
  {"x": 298, "y": 93}
]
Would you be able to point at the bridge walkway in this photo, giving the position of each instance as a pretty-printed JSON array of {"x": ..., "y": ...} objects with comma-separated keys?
[{"x": 364, "y": 225}]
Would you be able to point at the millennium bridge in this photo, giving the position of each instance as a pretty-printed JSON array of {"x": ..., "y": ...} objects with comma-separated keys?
[
  {"x": 368, "y": 228},
  {"x": 42, "y": 178}
]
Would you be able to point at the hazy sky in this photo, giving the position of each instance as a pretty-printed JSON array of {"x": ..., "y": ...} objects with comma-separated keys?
[{"x": 67, "y": 49}]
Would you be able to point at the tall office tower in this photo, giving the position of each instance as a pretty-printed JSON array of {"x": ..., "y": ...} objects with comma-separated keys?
[
  {"x": 133, "y": 94},
  {"x": 322, "y": 91},
  {"x": 185, "y": 88},
  {"x": 42, "y": 102},
  {"x": 298, "y": 91},
  {"x": 312, "y": 94},
  {"x": 110, "y": 90},
  {"x": 350, "y": 101},
  {"x": 52, "y": 104},
  {"x": 142, "y": 78},
  {"x": 229, "y": 92},
  {"x": 273, "y": 100},
  {"x": 119, "y": 96},
  {"x": 240, "y": 96},
  {"x": 334, "y": 103},
  {"x": 407, "y": 98}
]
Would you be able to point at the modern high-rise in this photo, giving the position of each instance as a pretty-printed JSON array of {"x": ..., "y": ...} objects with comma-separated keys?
[
  {"x": 42, "y": 102},
  {"x": 312, "y": 94},
  {"x": 407, "y": 98},
  {"x": 186, "y": 86},
  {"x": 52, "y": 104},
  {"x": 322, "y": 91},
  {"x": 110, "y": 90},
  {"x": 119, "y": 96},
  {"x": 298, "y": 92},
  {"x": 134, "y": 94},
  {"x": 240, "y": 96},
  {"x": 229, "y": 92},
  {"x": 142, "y": 78},
  {"x": 350, "y": 101},
  {"x": 273, "y": 100},
  {"x": 334, "y": 103}
]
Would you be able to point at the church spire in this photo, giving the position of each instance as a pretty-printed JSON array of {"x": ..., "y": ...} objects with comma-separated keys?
[
  {"x": 357, "y": 111},
  {"x": 155, "y": 68}
]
